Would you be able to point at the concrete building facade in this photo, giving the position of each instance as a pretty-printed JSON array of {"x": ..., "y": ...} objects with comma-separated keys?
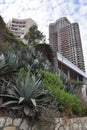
[
  {"x": 19, "y": 27},
  {"x": 65, "y": 39}
]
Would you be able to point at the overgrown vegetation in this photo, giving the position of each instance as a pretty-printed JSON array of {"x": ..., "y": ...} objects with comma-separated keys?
[
  {"x": 7, "y": 39},
  {"x": 27, "y": 84},
  {"x": 27, "y": 95},
  {"x": 67, "y": 102},
  {"x": 20, "y": 83}
]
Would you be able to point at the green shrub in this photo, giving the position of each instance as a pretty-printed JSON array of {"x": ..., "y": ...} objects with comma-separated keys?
[
  {"x": 51, "y": 79},
  {"x": 67, "y": 102}
]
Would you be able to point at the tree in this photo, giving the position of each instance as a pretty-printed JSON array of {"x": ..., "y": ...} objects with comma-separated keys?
[{"x": 34, "y": 35}]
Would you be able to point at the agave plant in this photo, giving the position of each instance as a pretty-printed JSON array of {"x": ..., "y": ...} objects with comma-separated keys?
[
  {"x": 34, "y": 58},
  {"x": 8, "y": 63},
  {"x": 28, "y": 94}
]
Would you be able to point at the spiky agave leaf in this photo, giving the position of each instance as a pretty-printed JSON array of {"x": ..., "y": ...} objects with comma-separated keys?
[
  {"x": 8, "y": 103},
  {"x": 33, "y": 101},
  {"x": 26, "y": 110},
  {"x": 2, "y": 60}
]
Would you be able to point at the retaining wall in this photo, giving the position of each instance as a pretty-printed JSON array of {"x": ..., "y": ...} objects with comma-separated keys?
[{"x": 8, "y": 123}]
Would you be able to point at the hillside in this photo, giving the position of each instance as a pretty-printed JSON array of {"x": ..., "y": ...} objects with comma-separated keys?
[
  {"x": 2, "y": 29},
  {"x": 3, "y": 43},
  {"x": 7, "y": 39}
]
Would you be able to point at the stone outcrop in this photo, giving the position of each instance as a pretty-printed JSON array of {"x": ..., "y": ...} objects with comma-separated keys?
[{"x": 8, "y": 123}]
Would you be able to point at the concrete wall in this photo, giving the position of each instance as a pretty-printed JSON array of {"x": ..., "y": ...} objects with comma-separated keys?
[
  {"x": 8, "y": 123},
  {"x": 84, "y": 92}
]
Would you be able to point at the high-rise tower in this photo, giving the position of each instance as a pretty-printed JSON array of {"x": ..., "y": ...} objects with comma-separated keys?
[{"x": 65, "y": 39}]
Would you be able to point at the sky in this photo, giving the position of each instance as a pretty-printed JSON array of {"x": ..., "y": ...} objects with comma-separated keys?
[{"x": 44, "y": 12}]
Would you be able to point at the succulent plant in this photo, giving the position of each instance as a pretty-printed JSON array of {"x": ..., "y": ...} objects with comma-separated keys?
[{"x": 28, "y": 94}]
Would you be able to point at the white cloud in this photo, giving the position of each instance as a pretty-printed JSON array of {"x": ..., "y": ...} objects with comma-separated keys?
[
  {"x": 82, "y": 1},
  {"x": 5, "y": 2},
  {"x": 48, "y": 11}
]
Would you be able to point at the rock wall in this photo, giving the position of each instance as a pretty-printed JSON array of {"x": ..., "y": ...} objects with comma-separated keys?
[{"x": 8, "y": 123}]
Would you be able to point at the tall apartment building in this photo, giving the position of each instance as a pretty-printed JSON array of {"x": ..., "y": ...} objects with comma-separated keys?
[
  {"x": 65, "y": 39},
  {"x": 19, "y": 27}
]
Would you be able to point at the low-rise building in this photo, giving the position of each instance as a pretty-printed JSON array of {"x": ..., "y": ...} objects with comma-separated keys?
[{"x": 19, "y": 27}]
